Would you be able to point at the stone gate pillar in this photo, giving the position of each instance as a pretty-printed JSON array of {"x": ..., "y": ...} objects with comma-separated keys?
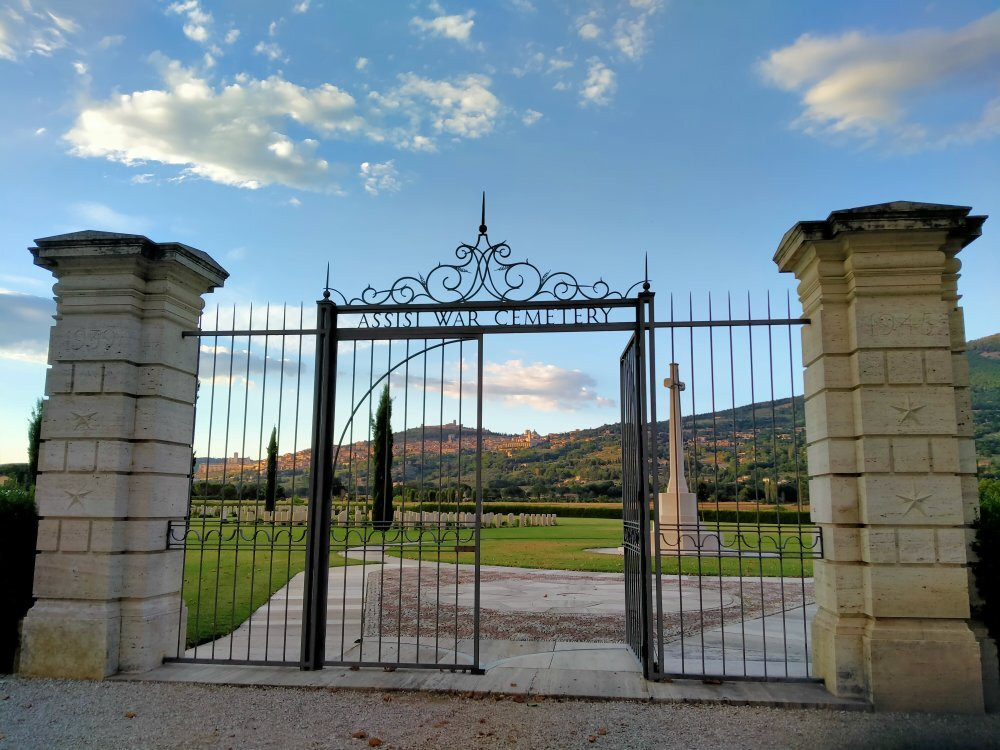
[
  {"x": 116, "y": 452},
  {"x": 891, "y": 459}
]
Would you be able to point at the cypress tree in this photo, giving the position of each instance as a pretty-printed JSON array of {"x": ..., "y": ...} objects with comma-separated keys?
[
  {"x": 382, "y": 462},
  {"x": 272, "y": 470},
  {"x": 34, "y": 441}
]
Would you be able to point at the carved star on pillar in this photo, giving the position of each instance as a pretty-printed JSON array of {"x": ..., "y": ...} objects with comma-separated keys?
[
  {"x": 914, "y": 500},
  {"x": 85, "y": 419},
  {"x": 908, "y": 411},
  {"x": 76, "y": 498}
]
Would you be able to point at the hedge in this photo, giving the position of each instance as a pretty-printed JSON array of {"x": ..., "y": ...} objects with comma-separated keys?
[
  {"x": 564, "y": 510},
  {"x": 18, "y": 531},
  {"x": 754, "y": 516},
  {"x": 986, "y": 547}
]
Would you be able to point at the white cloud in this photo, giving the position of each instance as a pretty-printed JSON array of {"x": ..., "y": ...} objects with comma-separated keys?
[
  {"x": 301, "y": 7},
  {"x": 231, "y": 135},
  {"x": 271, "y": 50},
  {"x": 104, "y": 218},
  {"x": 232, "y": 35},
  {"x": 7, "y": 51},
  {"x": 238, "y": 133},
  {"x": 25, "y": 320},
  {"x": 110, "y": 41},
  {"x": 599, "y": 86},
  {"x": 220, "y": 360},
  {"x": 294, "y": 202},
  {"x": 33, "y": 32},
  {"x": 895, "y": 86},
  {"x": 379, "y": 177},
  {"x": 457, "y": 27},
  {"x": 142, "y": 179},
  {"x": 628, "y": 35},
  {"x": 463, "y": 107},
  {"x": 530, "y": 117},
  {"x": 539, "y": 62},
  {"x": 40, "y": 131},
  {"x": 80, "y": 68},
  {"x": 539, "y": 386},
  {"x": 66, "y": 24},
  {"x": 197, "y": 27},
  {"x": 361, "y": 63},
  {"x": 272, "y": 28}
]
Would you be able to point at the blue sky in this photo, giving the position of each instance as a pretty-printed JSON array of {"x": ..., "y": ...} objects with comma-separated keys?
[{"x": 278, "y": 136}]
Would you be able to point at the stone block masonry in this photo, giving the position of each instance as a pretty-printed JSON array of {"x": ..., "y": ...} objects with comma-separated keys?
[
  {"x": 889, "y": 441},
  {"x": 116, "y": 452}
]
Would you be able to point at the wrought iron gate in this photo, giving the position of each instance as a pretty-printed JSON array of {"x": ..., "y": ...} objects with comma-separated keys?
[
  {"x": 360, "y": 544},
  {"x": 636, "y": 497},
  {"x": 413, "y": 587}
]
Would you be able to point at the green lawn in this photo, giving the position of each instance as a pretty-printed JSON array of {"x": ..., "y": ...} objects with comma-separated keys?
[
  {"x": 224, "y": 584},
  {"x": 563, "y": 547}
]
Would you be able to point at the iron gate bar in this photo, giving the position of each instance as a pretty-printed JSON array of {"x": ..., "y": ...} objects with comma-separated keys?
[
  {"x": 384, "y": 333},
  {"x": 479, "y": 504},
  {"x": 415, "y": 332},
  {"x": 317, "y": 570},
  {"x": 653, "y": 459},
  {"x": 635, "y": 505},
  {"x": 489, "y": 305},
  {"x": 798, "y": 481}
]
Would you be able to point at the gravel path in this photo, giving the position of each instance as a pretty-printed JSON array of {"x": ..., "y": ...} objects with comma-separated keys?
[
  {"x": 435, "y": 596},
  {"x": 109, "y": 715}
]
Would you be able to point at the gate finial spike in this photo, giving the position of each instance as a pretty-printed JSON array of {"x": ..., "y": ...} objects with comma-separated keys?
[
  {"x": 326, "y": 288},
  {"x": 645, "y": 276},
  {"x": 482, "y": 221}
]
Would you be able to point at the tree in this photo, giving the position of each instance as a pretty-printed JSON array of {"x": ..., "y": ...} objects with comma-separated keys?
[
  {"x": 34, "y": 441},
  {"x": 272, "y": 471},
  {"x": 382, "y": 462},
  {"x": 336, "y": 486}
]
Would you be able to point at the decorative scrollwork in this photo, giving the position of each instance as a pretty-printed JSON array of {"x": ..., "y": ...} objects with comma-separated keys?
[
  {"x": 346, "y": 536},
  {"x": 486, "y": 273},
  {"x": 768, "y": 540}
]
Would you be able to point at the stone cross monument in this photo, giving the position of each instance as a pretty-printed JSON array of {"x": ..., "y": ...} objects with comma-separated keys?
[{"x": 678, "y": 506}]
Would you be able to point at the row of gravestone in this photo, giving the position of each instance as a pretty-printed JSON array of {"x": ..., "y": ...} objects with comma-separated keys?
[
  {"x": 293, "y": 514},
  {"x": 299, "y": 514}
]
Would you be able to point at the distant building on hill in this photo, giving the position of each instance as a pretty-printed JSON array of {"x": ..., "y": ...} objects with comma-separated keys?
[{"x": 518, "y": 442}]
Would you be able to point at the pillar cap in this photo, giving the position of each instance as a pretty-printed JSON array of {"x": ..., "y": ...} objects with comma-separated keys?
[
  {"x": 90, "y": 243},
  {"x": 881, "y": 217}
]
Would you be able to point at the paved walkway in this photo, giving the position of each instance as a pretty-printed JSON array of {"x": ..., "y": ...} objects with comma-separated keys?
[{"x": 772, "y": 646}]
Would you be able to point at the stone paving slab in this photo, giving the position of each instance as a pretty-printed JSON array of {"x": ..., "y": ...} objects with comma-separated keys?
[{"x": 516, "y": 680}]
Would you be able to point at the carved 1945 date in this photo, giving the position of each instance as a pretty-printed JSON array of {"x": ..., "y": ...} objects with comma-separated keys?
[{"x": 921, "y": 324}]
